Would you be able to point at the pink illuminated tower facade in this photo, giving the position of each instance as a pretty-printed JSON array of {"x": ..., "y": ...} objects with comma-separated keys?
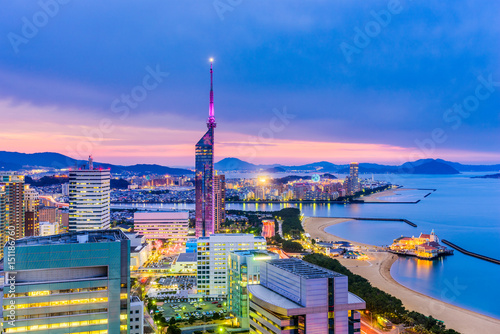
[{"x": 204, "y": 177}]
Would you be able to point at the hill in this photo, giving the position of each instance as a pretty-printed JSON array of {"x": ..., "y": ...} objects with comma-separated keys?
[{"x": 16, "y": 161}]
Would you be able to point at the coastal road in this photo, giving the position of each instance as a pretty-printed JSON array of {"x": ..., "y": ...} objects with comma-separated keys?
[{"x": 367, "y": 329}]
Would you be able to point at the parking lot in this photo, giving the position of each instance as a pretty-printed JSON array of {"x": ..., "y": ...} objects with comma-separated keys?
[{"x": 198, "y": 309}]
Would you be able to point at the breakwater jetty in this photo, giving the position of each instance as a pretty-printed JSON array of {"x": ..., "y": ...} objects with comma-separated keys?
[
  {"x": 382, "y": 219},
  {"x": 466, "y": 252}
]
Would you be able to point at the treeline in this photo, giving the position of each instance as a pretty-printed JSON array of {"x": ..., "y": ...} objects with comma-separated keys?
[
  {"x": 292, "y": 225},
  {"x": 379, "y": 302}
]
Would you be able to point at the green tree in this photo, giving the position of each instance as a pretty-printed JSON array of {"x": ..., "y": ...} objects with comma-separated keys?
[{"x": 291, "y": 246}]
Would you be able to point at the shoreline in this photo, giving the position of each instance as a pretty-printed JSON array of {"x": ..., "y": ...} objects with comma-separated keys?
[{"x": 377, "y": 271}]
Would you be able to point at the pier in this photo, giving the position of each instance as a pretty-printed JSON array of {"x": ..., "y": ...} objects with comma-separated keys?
[{"x": 466, "y": 252}]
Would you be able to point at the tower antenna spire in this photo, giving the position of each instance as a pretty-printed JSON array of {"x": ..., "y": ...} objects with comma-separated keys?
[{"x": 211, "y": 116}]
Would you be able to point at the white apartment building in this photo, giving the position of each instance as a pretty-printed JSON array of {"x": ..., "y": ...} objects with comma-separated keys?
[
  {"x": 48, "y": 228},
  {"x": 162, "y": 225},
  {"x": 213, "y": 258},
  {"x": 89, "y": 198},
  {"x": 136, "y": 315}
]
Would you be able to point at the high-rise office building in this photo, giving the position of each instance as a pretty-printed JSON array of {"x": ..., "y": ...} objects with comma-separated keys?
[
  {"x": 31, "y": 215},
  {"x": 213, "y": 255},
  {"x": 295, "y": 296},
  {"x": 219, "y": 201},
  {"x": 162, "y": 225},
  {"x": 82, "y": 287},
  {"x": 204, "y": 174},
  {"x": 89, "y": 198},
  {"x": 13, "y": 185},
  {"x": 353, "y": 184},
  {"x": 244, "y": 269}
]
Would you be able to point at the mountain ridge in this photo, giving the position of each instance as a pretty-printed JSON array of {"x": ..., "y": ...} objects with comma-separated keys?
[{"x": 17, "y": 161}]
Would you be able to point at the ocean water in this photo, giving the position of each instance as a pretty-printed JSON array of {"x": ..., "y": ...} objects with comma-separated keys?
[{"x": 462, "y": 210}]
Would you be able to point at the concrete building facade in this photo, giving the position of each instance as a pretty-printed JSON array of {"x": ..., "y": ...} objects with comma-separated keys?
[
  {"x": 72, "y": 282},
  {"x": 89, "y": 198},
  {"x": 295, "y": 296},
  {"x": 213, "y": 258},
  {"x": 244, "y": 269},
  {"x": 162, "y": 225}
]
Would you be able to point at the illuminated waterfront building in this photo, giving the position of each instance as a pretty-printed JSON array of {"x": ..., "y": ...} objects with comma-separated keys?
[
  {"x": 219, "y": 201},
  {"x": 162, "y": 225},
  {"x": 13, "y": 215},
  {"x": 204, "y": 174},
  {"x": 244, "y": 269},
  {"x": 89, "y": 198},
  {"x": 31, "y": 206},
  {"x": 82, "y": 287},
  {"x": 212, "y": 262},
  {"x": 295, "y": 296}
]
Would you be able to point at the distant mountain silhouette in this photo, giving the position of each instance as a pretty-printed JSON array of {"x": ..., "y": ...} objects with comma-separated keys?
[
  {"x": 17, "y": 161},
  {"x": 428, "y": 167}
]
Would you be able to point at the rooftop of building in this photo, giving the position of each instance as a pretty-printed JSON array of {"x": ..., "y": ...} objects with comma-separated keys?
[
  {"x": 230, "y": 235},
  {"x": 186, "y": 257},
  {"x": 253, "y": 252},
  {"x": 135, "y": 299},
  {"x": 79, "y": 237},
  {"x": 302, "y": 268}
]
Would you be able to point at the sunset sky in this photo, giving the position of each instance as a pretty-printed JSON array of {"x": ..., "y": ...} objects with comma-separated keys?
[{"x": 295, "y": 82}]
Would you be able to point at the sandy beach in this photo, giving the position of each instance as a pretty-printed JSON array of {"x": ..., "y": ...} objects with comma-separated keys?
[{"x": 377, "y": 270}]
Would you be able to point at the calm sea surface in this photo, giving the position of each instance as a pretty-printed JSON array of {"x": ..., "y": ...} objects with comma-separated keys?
[{"x": 462, "y": 210}]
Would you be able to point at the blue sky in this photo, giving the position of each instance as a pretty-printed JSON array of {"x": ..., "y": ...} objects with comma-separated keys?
[{"x": 59, "y": 82}]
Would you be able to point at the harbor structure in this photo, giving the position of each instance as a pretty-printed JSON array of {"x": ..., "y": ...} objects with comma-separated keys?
[{"x": 204, "y": 174}]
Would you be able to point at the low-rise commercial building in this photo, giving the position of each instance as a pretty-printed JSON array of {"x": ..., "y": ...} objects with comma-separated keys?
[
  {"x": 185, "y": 264},
  {"x": 162, "y": 225},
  {"x": 48, "y": 228}
]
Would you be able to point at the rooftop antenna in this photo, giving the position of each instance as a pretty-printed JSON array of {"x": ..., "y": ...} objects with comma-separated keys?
[
  {"x": 211, "y": 117},
  {"x": 91, "y": 162}
]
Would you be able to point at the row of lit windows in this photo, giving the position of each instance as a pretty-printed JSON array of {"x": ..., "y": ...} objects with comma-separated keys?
[
  {"x": 56, "y": 314},
  {"x": 59, "y": 303},
  {"x": 55, "y": 292},
  {"x": 59, "y": 325}
]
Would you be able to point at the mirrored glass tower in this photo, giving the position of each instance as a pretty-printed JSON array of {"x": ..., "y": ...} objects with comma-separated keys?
[{"x": 204, "y": 179}]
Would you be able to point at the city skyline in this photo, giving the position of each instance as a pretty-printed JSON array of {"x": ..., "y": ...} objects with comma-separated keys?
[{"x": 309, "y": 65}]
